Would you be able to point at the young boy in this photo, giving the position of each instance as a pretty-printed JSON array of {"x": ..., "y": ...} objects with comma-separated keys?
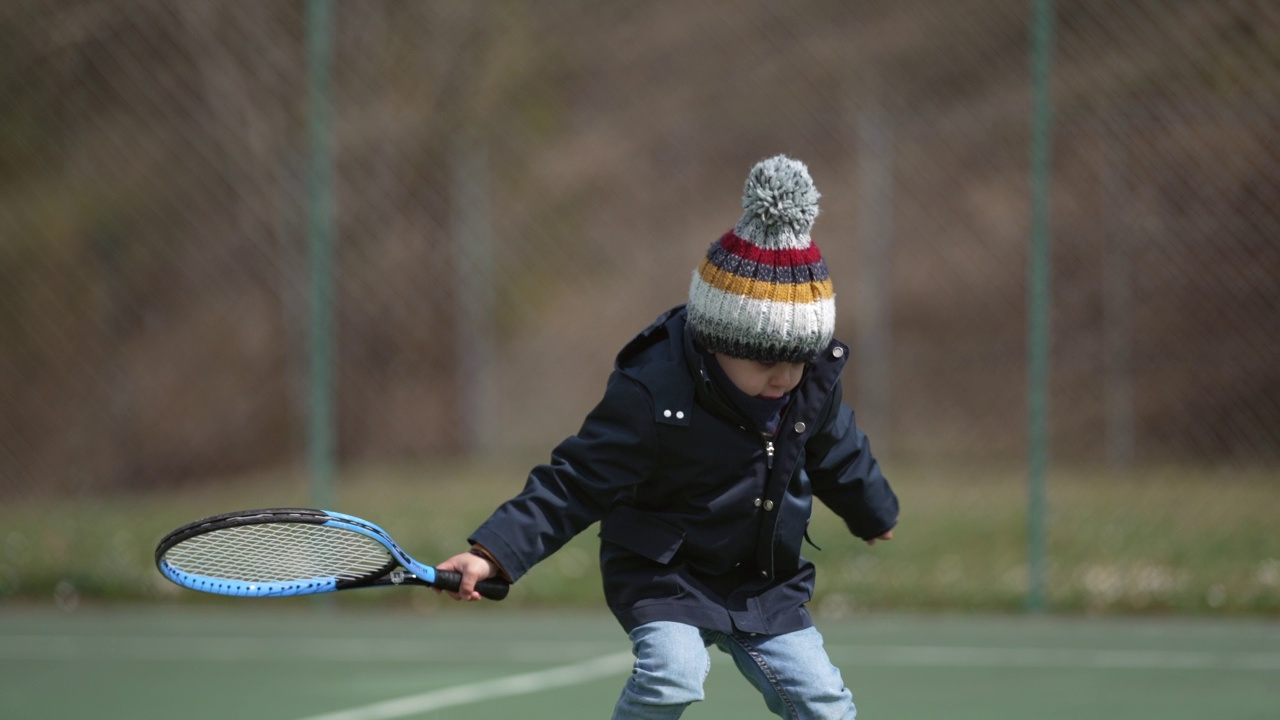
[{"x": 720, "y": 423}]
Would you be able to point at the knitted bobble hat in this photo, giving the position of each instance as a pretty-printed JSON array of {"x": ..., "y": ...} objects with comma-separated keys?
[{"x": 763, "y": 292}]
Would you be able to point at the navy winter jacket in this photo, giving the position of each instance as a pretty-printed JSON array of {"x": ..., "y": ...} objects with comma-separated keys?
[{"x": 701, "y": 515}]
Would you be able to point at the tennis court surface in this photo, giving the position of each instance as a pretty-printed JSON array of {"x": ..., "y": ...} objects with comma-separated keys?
[{"x": 304, "y": 659}]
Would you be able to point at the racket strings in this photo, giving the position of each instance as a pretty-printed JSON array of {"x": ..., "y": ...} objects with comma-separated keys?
[{"x": 280, "y": 552}]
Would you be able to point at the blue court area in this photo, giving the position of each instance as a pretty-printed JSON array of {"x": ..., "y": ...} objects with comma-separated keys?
[{"x": 308, "y": 659}]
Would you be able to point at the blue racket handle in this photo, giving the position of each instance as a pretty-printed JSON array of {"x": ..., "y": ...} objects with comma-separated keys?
[{"x": 492, "y": 589}]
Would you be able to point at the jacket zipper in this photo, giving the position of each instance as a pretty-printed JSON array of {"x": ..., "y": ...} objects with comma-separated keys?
[{"x": 768, "y": 437}]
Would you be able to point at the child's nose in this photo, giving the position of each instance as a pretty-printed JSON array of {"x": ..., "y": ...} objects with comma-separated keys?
[{"x": 783, "y": 376}]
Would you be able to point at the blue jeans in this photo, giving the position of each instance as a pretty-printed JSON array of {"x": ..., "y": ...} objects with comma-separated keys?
[{"x": 792, "y": 671}]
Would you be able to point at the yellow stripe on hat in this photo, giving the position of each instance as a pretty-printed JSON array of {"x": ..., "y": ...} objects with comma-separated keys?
[{"x": 806, "y": 292}]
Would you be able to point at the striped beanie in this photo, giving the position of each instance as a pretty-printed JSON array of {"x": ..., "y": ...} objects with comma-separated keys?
[{"x": 763, "y": 292}]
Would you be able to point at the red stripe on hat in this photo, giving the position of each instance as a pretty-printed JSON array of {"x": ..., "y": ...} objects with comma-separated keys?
[{"x": 764, "y": 256}]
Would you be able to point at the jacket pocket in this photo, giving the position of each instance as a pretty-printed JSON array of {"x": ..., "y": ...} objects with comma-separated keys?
[{"x": 642, "y": 533}]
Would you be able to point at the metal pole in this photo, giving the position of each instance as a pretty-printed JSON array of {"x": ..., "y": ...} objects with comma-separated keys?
[
  {"x": 875, "y": 236},
  {"x": 1038, "y": 299},
  {"x": 1118, "y": 203},
  {"x": 473, "y": 258},
  {"x": 320, "y": 434}
]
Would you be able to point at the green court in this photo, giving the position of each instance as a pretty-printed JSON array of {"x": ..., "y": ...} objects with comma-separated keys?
[{"x": 305, "y": 659}]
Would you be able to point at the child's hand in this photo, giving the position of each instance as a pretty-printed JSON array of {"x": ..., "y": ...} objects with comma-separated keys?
[
  {"x": 474, "y": 569},
  {"x": 887, "y": 536}
]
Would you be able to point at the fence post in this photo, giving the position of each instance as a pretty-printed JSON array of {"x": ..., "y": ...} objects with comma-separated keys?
[
  {"x": 321, "y": 431},
  {"x": 875, "y": 239},
  {"x": 1117, "y": 296},
  {"x": 1038, "y": 299},
  {"x": 473, "y": 272}
]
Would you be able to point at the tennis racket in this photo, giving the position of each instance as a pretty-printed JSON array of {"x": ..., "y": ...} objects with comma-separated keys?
[{"x": 281, "y": 552}]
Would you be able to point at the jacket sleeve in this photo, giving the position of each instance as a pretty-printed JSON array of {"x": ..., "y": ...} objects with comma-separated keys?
[
  {"x": 586, "y": 472},
  {"x": 845, "y": 475}
]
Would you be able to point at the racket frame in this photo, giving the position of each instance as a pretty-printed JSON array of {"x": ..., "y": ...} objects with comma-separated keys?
[{"x": 401, "y": 568}]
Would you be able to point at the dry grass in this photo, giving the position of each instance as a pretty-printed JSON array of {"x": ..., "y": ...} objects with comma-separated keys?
[{"x": 1157, "y": 540}]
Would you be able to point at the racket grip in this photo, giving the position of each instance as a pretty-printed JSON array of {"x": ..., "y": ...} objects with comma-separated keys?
[{"x": 492, "y": 589}]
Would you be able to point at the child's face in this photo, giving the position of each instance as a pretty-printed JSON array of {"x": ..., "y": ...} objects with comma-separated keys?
[{"x": 760, "y": 379}]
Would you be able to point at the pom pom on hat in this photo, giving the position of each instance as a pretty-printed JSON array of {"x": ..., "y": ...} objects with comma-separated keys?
[
  {"x": 763, "y": 291},
  {"x": 779, "y": 204}
]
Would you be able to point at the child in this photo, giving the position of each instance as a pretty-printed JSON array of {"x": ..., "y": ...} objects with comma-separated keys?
[{"x": 720, "y": 423}]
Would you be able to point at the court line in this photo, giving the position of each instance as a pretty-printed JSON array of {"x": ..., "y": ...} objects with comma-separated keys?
[
  {"x": 563, "y": 676},
  {"x": 1018, "y": 657},
  {"x": 236, "y": 649}
]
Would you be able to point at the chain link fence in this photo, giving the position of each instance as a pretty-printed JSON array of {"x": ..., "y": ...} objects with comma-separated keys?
[{"x": 511, "y": 189}]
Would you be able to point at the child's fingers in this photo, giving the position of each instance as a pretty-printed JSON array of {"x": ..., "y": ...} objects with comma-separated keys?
[{"x": 888, "y": 535}]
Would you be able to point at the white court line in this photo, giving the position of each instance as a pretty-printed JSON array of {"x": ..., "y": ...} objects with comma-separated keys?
[
  {"x": 562, "y": 676},
  {"x": 609, "y": 665},
  {"x": 239, "y": 649},
  {"x": 1019, "y": 657}
]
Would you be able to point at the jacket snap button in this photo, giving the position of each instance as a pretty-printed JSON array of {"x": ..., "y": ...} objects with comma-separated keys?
[
  {"x": 764, "y": 574},
  {"x": 800, "y": 427},
  {"x": 837, "y": 352},
  {"x": 758, "y": 501},
  {"x": 666, "y": 413},
  {"x": 680, "y": 414},
  {"x": 768, "y": 505}
]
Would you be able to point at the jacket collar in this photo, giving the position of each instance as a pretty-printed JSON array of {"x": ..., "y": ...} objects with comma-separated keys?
[
  {"x": 657, "y": 358},
  {"x": 663, "y": 358}
]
